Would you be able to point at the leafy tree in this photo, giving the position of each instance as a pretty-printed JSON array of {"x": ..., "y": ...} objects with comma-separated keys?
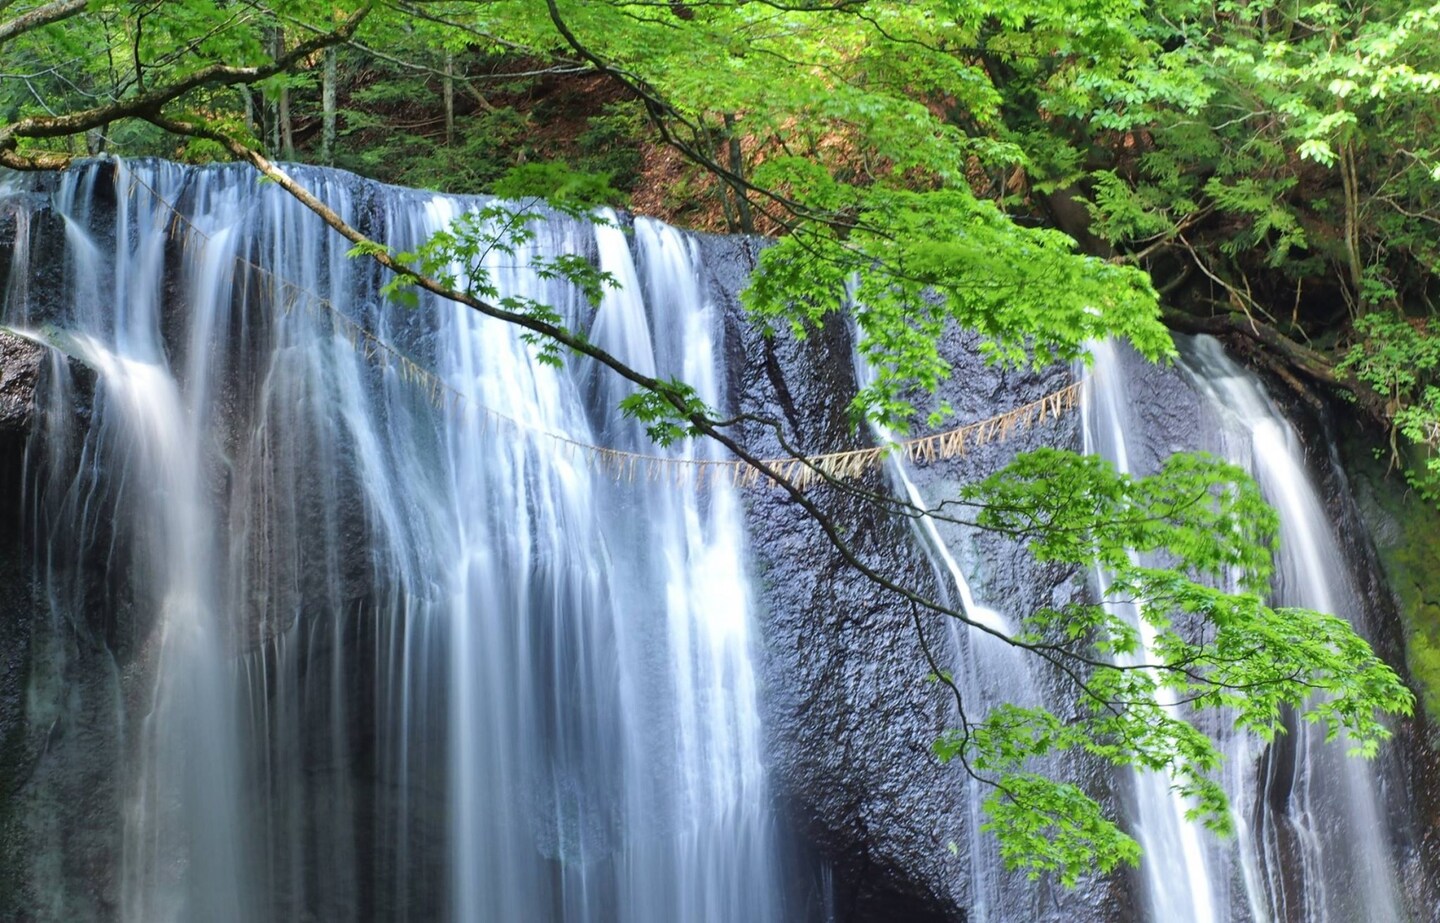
[{"x": 905, "y": 154}]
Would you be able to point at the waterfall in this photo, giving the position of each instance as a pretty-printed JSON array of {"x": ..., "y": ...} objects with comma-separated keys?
[
  {"x": 988, "y": 672},
  {"x": 1179, "y": 884},
  {"x": 380, "y": 639},
  {"x": 1312, "y": 839},
  {"x": 1312, "y": 806},
  {"x": 390, "y": 647}
]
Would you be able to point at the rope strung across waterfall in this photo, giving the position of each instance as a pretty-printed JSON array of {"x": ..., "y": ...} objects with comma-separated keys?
[
  {"x": 624, "y": 465},
  {"x": 803, "y": 472}
]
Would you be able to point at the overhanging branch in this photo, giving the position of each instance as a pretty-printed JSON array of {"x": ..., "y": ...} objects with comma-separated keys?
[
  {"x": 53, "y": 12},
  {"x": 150, "y": 103}
]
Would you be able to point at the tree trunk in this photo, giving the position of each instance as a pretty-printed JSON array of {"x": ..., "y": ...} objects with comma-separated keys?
[
  {"x": 449, "y": 91},
  {"x": 327, "y": 106},
  {"x": 737, "y": 167},
  {"x": 250, "y": 124},
  {"x": 287, "y": 129},
  {"x": 1350, "y": 181},
  {"x": 270, "y": 109},
  {"x": 283, "y": 134}
]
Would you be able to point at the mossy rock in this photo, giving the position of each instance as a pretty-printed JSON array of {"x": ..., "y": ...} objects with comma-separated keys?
[{"x": 1406, "y": 530}]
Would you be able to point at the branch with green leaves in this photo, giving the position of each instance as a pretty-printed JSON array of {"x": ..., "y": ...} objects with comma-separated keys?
[{"x": 152, "y": 101}]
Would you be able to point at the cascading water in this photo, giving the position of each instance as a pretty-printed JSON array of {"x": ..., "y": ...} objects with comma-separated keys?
[
  {"x": 1312, "y": 842},
  {"x": 988, "y": 671},
  {"x": 381, "y": 647},
  {"x": 390, "y": 649},
  {"x": 1178, "y": 878},
  {"x": 1321, "y": 838}
]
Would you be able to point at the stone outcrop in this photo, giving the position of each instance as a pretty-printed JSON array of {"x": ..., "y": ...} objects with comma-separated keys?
[{"x": 58, "y": 739}]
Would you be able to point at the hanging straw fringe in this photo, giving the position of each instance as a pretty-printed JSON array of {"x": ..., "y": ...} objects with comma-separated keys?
[{"x": 621, "y": 465}]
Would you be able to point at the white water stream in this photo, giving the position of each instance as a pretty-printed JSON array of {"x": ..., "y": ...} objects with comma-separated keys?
[
  {"x": 1312, "y": 842},
  {"x": 339, "y": 573}
]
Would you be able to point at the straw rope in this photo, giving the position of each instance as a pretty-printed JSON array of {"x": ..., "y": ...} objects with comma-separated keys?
[
  {"x": 811, "y": 469},
  {"x": 623, "y": 465}
]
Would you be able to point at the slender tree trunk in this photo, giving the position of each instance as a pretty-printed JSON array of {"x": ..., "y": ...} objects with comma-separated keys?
[
  {"x": 327, "y": 106},
  {"x": 737, "y": 167},
  {"x": 272, "y": 127},
  {"x": 282, "y": 134},
  {"x": 724, "y": 188},
  {"x": 250, "y": 124},
  {"x": 1350, "y": 181},
  {"x": 269, "y": 108},
  {"x": 287, "y": 129},
  {"x": 449, "y": 90}
]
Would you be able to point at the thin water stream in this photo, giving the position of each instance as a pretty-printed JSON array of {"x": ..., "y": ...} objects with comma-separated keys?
[{"x": 1312, "y": 841}]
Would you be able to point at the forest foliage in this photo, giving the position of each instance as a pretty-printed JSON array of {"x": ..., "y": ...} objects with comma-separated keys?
[{"x": 1044, "y": 172}]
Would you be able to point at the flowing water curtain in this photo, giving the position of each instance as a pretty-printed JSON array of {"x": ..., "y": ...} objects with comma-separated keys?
[
  {"x": 138, "y": 457},
  {"x": 1322, "y": 834},
  {"x": 439, "y": 651},
  {"x": 634, "y": 771},
  {"x": 1311, "y": 840},
  {"x": 1182, "y": 881},
  {"x": 801, "y": 470}
]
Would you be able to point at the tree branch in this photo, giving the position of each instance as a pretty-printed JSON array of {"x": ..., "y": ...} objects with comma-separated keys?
[
  {"x": 150, "y": 102},
  {"x": 40, "y": 16}
]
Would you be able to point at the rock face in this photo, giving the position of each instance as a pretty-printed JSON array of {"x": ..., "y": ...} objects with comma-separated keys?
[
  {"x": 850, "y": 713},
  {"x": 60, "y": 680},
  {"x": 20, "y": 362},
  {"x": 58, "y": 738}
]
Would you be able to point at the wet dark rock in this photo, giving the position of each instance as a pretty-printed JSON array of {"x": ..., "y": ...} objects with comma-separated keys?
[
  {"x": 59, "y": 743},
  {"x": 20, "y": 362},
  {"x": 850, "y": 714}
]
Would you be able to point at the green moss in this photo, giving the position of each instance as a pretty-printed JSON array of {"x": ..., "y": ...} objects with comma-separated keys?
[
  {"x": 1422, "y": 656},
  {"x": 1407, "y": 536},
  {"x": 1417, "y": 582}
]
